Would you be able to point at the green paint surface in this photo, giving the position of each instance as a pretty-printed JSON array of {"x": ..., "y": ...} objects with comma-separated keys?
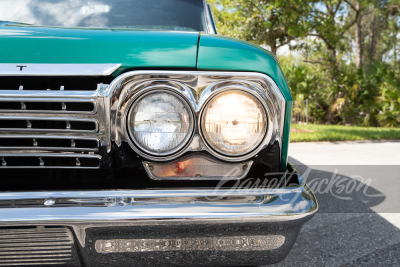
[
  {"x": 133, "y": 49},
  {"x": 286, "y": 134}
]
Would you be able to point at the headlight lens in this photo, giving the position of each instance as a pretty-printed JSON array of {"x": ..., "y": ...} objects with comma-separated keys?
[
  {"x": 234, "y": 123},
  {"x": 160, "y": 123}
]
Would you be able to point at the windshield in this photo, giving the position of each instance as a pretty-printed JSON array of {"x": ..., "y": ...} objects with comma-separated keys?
[{"x": 180, "y": 15}]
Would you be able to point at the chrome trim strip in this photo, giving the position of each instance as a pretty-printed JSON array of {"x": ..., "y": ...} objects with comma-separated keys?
[
  {"x": 30, "y": 69},
  {"x": 211, "y": 29},
  {"x": 43, "y": 137},
  {"x": 63, "y": 100},
  {"x": 50, "y": 155},
  {"x": 43, "y": 148},
  {"x": 48, "y": 94},
  {"x": 50, "y": 167},
  {"x": 49, "y": 136},
  {"x": 15, "y": 118}
]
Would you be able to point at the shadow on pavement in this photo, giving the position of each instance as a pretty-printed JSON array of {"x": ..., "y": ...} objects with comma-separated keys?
[{"x": 348, "y": 229}]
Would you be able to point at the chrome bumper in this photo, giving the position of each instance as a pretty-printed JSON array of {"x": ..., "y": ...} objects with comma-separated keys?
[{"x": 160, "y": 227}]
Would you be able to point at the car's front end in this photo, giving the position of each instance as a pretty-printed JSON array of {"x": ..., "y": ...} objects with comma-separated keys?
[{"x": 125, "y": 147}]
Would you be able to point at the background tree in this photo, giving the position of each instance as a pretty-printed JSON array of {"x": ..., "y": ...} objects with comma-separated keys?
[
  {"x": 346, "y": 58},
  {"x": 263, "y": 22}
]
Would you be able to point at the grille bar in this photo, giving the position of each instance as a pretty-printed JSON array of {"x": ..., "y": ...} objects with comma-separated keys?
[
  {"x": 48, "y": 105},
  {"x": 33, "y": 249},
  {"x": 31, "y": 236},
  {"x": 9, "y": 253},
  {"x": 32, "y": 263},
  {"x": 48, "y": 124},
  {"x": 38, "y": 142},
  {"x": 49, "y": 161}
]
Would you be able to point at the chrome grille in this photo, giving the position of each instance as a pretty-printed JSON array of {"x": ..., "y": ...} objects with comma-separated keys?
[
  {"x": 37, "y": 246},
  {"x": 52, "y": 129}
]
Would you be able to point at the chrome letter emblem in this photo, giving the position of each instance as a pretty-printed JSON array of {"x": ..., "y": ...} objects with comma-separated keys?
[{"x": 21, "y": 67}]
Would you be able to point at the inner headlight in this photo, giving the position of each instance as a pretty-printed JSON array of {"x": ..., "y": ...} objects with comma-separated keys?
[
  {"x": 160, "y": 123},
  {"x": 234, "y": 123}
]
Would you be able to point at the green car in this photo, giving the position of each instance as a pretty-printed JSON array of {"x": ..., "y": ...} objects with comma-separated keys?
[{"x": 132, "y": 134}]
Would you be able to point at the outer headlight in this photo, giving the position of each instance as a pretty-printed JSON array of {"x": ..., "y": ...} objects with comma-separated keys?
[
  {"x": 234, "y": 123},
  {"x": 160, "y": 123}
]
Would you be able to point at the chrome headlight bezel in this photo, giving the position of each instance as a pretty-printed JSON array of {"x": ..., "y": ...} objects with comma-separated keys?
[
  {"x": 228, "y": 90},
  {"x": 196, "y": 88},
  {"x": 189, "y": 134}
]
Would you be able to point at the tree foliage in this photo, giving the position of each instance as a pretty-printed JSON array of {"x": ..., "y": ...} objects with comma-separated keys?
[
  {"x": 346, "y": 58},
  {"x": 263, "y": 22}
]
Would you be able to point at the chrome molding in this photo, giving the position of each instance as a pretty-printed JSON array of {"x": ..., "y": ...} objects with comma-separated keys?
[
  {"x": 197, "y": 88},
  {"x": 66, "y": 119},
  {"x": 209, "y": 19},
  {"x": 36, "y": 147},
  {"x": 61, "y": 100},
  {"x": 50, "y": 94},
  {"x": 41, "y": 148},
  {"x": 145, "y": 204},
  {"x": 29, "y": 69},
  {"x": 42, "y": 165},
  {"x": 83, "y": 136}
]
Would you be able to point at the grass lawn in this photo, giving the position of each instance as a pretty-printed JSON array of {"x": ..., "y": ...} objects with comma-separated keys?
[{"x": 314, "y": 133}]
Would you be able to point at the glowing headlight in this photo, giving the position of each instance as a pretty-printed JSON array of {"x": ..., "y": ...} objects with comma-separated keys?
[
  {"x": 234, "y": 123},
  {"x": 160, "y": 123}
]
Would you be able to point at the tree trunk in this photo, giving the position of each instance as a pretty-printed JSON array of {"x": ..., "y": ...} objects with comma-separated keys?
[
  {"x": 359, "y": 48},
  {"x": 371, "y": 45},
  {"x": 332, "y": 62},
  {"x": 274, "y": 48}
]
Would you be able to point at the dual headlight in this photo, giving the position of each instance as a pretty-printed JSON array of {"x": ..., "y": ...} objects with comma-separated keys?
[{"x": 161, "y": 123}]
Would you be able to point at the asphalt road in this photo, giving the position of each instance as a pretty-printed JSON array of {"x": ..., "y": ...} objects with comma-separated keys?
[{"x": 353, "y": 228}]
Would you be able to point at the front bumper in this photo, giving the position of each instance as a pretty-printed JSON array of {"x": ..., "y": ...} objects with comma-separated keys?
[{"x": 199, "y": 227}]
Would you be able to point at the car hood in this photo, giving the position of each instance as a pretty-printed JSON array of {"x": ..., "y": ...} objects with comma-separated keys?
[{"x": 21, "y": 43}]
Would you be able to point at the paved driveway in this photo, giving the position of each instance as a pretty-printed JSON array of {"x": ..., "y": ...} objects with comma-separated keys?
[{"x": 353, "y": 228}]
